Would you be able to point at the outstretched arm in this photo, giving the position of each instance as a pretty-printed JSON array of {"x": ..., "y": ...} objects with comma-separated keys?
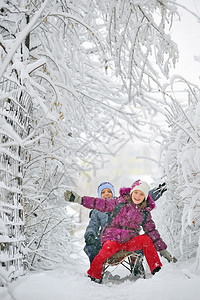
[
  {"x": 157, "y": 192},
  {"x": 102, "y": 205}
]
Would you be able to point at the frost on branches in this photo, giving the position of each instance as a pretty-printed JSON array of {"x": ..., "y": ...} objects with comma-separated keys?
[
  {"x": 14, "y": 128},
  {"x": 181, "y": 163},
  {"x": 87, "y": 68}
]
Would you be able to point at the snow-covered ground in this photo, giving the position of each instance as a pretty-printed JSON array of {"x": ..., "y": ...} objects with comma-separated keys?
[{"x": 173, "y": 282}]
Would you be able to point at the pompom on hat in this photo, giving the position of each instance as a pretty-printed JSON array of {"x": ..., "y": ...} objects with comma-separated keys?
[
  {"x": 103, "y": 186},
  {"x": 141, "y": 186}
]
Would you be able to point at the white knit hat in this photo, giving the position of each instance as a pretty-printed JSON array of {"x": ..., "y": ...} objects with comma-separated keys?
[{"x": 141, "y": 186}]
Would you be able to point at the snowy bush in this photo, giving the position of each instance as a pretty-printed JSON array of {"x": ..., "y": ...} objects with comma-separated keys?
[{"x": 181, "y": 163}]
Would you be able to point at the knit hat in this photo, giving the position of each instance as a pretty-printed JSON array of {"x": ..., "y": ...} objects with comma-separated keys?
[
  {"x": 141, "y": 186},
  {"x": 103, "y": 186}
]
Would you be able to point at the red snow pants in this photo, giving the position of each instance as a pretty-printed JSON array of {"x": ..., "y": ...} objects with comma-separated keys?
[{"x": 109, "y": 248}]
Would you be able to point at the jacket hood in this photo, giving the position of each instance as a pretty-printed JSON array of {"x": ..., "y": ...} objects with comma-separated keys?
[{"x": 124, "y": 191}]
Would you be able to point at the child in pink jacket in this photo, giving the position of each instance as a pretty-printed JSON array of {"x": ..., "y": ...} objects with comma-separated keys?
[{"x": 123, "y": 231}]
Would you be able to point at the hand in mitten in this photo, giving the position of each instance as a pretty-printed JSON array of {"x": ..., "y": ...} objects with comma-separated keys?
[
  {"x": 162, "y": 188},
  {"x": 90, "y": 240},
  {"x": 168, "y": 256},
  {"x": 72, "y": 197}
]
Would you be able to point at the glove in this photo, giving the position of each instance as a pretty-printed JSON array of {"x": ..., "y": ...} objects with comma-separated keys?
[
  {"x": 168, "y": 256},
  {"x": 72, "y": 197},
  {"x": 90, "y": 240},
  {"x": 162, "y": 188}
]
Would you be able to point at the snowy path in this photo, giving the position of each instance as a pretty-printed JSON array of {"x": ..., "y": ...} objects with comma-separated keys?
[
  {"x": 71, "y": 283},
  {"x": 173, "y": 282}
]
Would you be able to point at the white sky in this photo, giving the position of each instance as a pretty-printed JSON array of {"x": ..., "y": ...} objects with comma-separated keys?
[{"x": 186, "y": 34}]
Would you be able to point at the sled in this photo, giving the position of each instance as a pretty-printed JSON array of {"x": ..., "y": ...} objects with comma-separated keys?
[{"x": 131, "y": 260}]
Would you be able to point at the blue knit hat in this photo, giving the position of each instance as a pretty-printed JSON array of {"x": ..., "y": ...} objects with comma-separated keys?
[{"x": 103, "y": 186}]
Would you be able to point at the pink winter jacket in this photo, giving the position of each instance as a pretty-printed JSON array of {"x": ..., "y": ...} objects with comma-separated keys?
[{"x": 127, "y": 223}]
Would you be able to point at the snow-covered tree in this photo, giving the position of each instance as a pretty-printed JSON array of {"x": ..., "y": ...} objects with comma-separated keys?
[{"x": 180, "y": 160}]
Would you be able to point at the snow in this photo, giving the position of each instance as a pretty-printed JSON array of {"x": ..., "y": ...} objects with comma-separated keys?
[
  {"x": 71, "y": 282},
  {"x": 20, "y": 38},
  {"x": 173, "y": 282}
]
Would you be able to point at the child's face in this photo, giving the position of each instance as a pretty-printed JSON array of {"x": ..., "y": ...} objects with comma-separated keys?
[
  {"x": 106, "y": 193},
  {"x": 137, "y": 196}
]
